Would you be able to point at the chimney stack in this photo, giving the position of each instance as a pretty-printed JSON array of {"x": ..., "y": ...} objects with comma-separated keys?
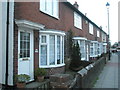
[
  {"x": 100, "y": 27},
  {"x": 76, "y": 5}
]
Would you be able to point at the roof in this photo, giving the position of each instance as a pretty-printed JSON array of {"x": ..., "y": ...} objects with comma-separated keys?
[{"x": 83, "y": 16}]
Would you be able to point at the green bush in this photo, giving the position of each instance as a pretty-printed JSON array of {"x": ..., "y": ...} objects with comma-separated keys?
[
  {"x": 22, "y": 78},
  {"x": 40, "y": 72}
]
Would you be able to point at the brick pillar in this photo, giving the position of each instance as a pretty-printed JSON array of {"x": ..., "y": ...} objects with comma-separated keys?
[
  {"x": 15, "y": 53},
  {"x": 36, "y": 49}
]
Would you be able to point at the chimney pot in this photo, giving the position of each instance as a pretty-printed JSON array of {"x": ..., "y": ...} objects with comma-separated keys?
[{"x": 76, "y": 5}]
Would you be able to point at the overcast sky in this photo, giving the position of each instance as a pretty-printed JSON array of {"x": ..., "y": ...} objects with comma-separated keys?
[{"x": 97, "y": 12}]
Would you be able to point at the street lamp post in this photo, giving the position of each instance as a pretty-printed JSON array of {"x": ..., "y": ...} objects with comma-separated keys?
[{"x": 107, "y": 5}]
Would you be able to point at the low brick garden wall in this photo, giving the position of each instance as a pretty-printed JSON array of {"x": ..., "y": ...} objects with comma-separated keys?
[
  {"x": 87, "y": 78},
  {"x": 84, "y": 78}
]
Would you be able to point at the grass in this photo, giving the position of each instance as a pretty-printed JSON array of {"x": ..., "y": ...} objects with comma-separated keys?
[{"x": 94, "y": 82}]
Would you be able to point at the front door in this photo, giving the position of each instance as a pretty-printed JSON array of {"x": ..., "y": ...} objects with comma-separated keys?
[{"x": 25, "y": 53}]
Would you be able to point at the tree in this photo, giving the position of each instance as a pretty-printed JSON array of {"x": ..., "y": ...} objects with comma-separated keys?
[{"x": 69, "y": 43}]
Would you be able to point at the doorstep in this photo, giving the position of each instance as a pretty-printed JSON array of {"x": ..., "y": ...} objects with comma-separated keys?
[{"x": 44, "y": 84}]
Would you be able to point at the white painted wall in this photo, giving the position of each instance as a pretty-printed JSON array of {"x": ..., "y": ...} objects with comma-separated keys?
[
  {"x": 11, "y": 36},
  {"x": 3, "y": 13},
  {"x": 3, "y": 18},
  {"x": 0, "y": 42}
]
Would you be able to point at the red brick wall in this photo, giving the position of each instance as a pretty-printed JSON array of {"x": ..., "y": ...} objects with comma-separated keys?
[
  {"x": 51, "y": 71},
  {"x": 30, "y": 11},
  {"x": 86, "y": 28}
]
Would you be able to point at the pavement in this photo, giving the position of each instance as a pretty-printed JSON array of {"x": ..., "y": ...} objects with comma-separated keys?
[{"x": 110, "y": 75}]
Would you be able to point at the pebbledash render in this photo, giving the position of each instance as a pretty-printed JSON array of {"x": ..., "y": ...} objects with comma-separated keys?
[{"x": 39, "y": 36}]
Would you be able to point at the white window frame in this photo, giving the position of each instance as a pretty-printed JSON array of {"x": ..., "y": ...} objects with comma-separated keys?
[
  {"x": 82, "y": 52},
  {"x": 77, "y": 20},
  {"x": 55, "y": 33},
  {"x": 91, "y": 31},
  {"x": 101, "y": 48},
  {"x": 99, "y": 51},
  {"x": 91, "y": 47},
  {"x": 95, "y": 49},
  {"x": 104, "y": 47},
  {"x": 54, "y": 8},
  {"x": 103, "y": 37},
  {"x": 98, "y": 33}
]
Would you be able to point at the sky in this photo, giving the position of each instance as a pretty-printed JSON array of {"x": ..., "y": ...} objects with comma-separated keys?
[{"x": 97, "y": 12}]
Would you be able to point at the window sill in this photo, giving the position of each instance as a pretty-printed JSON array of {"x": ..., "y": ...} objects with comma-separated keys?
[
  {"x": 91, "y": 34},
  {"x": 82, "y": 58},
  {"x": 94, "y": 56},
  {"x": 52, "y": 66},
  {"x": 78, "y": 28},
  {"x": 57, "y": 18}
]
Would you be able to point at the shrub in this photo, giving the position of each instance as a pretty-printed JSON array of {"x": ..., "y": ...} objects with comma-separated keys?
[
  {"x": 76, "y": 56},
  {"x": 22, "y": 78},
  {"x": 68, "y": 43},
  {"x": 40, "y": 72}
]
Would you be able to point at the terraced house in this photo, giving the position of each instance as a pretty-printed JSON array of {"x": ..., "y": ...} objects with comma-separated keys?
[{"x": 37, "y": 36}]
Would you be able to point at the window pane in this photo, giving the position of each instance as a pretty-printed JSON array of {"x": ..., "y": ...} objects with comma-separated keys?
[
  {"x": 43, "y": 39},
  {"x": 55, "y": 8},
  {"x": 28, "y": 51},
  {"x": 77, "y": 20},
  {"x": 52, "y": 50},
  {"x": 91, "y": 49},
  {"x": 42, "y": 5},
  {"x": 82, "y": 49},
  {"x": 28, "y": 45},
  {"x": 21, "y": 53},
  {"x": 49, "y": 6},
  {"x": 90, "y": 28},
  {"x": 24, "y": 53},
  {"x": 24, "y": 44},
  {"x": 58, "y": 50},
  {"x": 43, "y": 54}
]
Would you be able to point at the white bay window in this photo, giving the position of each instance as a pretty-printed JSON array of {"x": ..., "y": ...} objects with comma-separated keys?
[
  {"x": 81, "y": 41},
  {"x": 51, "y": 49},
  {"x": 82, "y": 49},
  {"x": 104, "y": 47},
  {"x": 94, "y": 50},
  {"x": 91, "y": 49},
  {"x": 98, "y": 49}
]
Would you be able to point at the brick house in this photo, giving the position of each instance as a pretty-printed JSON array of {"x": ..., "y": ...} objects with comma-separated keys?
[{"x": 38, "y": 31}]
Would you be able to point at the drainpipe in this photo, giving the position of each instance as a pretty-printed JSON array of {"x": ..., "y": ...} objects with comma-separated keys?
[{"x": 7, "y": 45}]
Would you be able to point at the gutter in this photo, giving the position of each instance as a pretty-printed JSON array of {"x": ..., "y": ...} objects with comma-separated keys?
[{"x": 7, "y": 45}]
